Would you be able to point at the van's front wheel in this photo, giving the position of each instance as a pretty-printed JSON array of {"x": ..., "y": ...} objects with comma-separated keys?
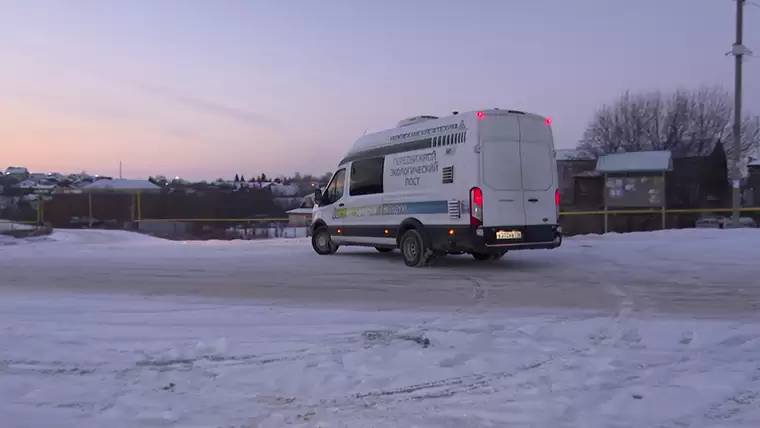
[{"x": 322, "y": 243}]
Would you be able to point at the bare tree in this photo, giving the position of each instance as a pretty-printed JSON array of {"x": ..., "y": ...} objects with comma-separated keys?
[{"x": 688, "y": 123}]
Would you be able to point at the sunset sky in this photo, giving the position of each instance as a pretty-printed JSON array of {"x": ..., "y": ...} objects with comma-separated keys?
[{"x": 207, "y": 89}]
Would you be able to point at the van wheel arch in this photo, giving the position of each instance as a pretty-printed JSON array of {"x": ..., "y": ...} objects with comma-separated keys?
[
  {"x": 317, "y": 224},
  {"x": 407, "y": 224}
]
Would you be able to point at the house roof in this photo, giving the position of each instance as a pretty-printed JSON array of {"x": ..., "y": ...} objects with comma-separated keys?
[
  {"x": 121, "y": 184},
  {"x": 571, "y": 154},
  {"x": 650, "y": 161},
  {"x": 300, "y": 211},
  {"x": 16, "y": 170}
]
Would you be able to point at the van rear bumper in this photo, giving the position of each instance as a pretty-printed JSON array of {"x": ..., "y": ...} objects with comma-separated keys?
[{"x": 495, "y": 239}]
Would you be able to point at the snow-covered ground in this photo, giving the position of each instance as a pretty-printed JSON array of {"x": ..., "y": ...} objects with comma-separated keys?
[{"x": 643, "y": 330}]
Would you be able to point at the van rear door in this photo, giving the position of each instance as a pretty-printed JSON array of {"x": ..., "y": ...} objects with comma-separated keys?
[
  {"x": 519, "y": 171},
  {"x": 503, "y": 201},
  {"x": 539, "y": 170}
]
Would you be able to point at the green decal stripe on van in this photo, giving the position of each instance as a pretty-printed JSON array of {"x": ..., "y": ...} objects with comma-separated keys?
[
  {"x": 427, "y": 207},
  {"x": 401, "y": 208}
]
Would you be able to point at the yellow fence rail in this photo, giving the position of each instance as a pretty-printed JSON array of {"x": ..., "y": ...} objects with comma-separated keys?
[
  {"x": 212, "y": 220},
  {"x": 659, "y": 211},
  {"x": 566, "y": 213},
  {"x": 136, "y": 215}
]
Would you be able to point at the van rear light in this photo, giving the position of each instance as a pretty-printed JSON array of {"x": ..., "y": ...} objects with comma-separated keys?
[
  {"x": 548, "y": 121},
  {"x": 556, "y": 197},
  {"x": 481, "y": 115},
  {"x": 476, "y": 206}
]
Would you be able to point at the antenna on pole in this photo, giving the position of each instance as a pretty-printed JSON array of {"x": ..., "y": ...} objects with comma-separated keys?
[{"x": 120, "y": 176}]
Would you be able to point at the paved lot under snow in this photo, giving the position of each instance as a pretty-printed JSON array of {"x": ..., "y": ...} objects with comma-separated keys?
[
  {"x": 689, "y": 271},
  {"x": 120, "y": 330}
]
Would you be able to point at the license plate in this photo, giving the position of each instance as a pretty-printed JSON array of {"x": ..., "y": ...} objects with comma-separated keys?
[{"x": 508, "y": 234}]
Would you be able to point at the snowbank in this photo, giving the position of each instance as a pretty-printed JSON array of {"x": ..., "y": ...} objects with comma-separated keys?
[{"x": 8, "y": 226}]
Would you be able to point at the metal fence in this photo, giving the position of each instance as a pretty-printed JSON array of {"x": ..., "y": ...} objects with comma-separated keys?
[{"x": 123, "y": 209}]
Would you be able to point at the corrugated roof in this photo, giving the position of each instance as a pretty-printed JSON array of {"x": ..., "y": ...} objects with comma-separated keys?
[
  {"x": 299, "y": 211},
  {"x": 651, "y": 161}
]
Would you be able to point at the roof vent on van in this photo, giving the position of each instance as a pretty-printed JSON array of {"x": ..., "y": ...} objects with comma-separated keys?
[{"x": 415, "y": 119}]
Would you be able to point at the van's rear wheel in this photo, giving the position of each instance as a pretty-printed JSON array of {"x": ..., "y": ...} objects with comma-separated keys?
[
  {"x": 481, "y": 256},
  {"x": 384, "y": 250},
  {"x": 322, "y": 243},
  {"x": 413, "y": 249}
]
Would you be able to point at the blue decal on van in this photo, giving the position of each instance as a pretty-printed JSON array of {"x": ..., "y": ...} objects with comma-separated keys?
[
  {"x": 401, "y": 208},
  {"x": 427, "y": 207}
]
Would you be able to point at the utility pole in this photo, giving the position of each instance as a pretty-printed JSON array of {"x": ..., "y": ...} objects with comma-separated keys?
[{"x": 738, "y": 51}]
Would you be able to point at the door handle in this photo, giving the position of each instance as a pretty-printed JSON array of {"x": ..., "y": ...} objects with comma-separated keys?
[
  {"x": 340, "y": 205},
  {"x": 532, "y": 200}
]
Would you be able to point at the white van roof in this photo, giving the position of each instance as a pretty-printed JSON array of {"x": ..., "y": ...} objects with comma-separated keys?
[{"x": 421, "y": 126}]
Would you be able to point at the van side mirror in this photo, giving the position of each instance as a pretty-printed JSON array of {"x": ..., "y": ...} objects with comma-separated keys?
[{"x": 318, "y": 196}]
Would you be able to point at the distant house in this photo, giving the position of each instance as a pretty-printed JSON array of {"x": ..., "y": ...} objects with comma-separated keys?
[
  {"x": 26, "y": 184},
  {"x": 577, "y": 179},
  {"x": 122, "y": 185},
  {"x": 31, "y": 184},
  {"x": 285, "y": 190},
  {"x": 299, "y": 217},
  {"x": 56, "y": 176},
  {"x": 307, "y": 201},
  {"x": 700, "y": 181},
  {"x": 17, "y": 172},
  {"x": 752, "y": 194}
]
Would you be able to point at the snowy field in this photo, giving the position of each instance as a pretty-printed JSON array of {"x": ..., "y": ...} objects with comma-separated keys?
[{"x": 115, "y": 329}]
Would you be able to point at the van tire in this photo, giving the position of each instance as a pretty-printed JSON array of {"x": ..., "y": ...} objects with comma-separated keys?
[
  {"x": 481, "y": 256},
  {"x": 383, "y": 249},
  {"x": 322, "y": 243},
  {"x": 414, "y": 250}
]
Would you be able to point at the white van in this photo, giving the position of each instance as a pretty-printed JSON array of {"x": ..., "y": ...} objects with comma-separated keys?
[{"x": 482, "y": 182}]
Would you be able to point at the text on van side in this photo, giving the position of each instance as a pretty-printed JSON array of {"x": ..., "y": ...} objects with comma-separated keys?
[{"x": 409, "y": 168}]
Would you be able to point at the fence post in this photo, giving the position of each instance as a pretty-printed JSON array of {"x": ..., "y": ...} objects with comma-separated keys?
[
  {"x": 89, "y": 208},
  {"x": 39, "y": 210},
  {"x": 664, "y": 201},
  {"x": 41, "y": 207},
  {"x": 604, "y": 196}
]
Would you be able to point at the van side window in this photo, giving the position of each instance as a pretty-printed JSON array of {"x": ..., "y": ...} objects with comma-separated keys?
[
  {"x": 367, "y": 176},
  {"x": 336, "y": 187}
]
